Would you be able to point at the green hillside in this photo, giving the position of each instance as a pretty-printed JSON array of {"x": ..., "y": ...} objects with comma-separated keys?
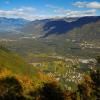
[{"x": 12, "y": 61}]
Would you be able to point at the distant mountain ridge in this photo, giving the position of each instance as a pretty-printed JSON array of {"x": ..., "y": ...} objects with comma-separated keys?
[
  {"x": 10, "y": 27},
  {"x": 13, "y": 21},
  {"x": 48, "y": 27},
  {"x": 46, "y": 36}
]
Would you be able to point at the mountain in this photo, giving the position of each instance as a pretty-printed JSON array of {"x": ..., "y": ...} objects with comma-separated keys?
[
  {"x": 11, "y": 26},
  {"x": 17, "y": 28},
  {"x": 63, "y": 36},
  {"x": 45, "y": 28},
  {"x": 35, "y": 28},
  {"x": 40, "y": 28},
  {"x": 78, "y": 42},
  {"x": 18, "y": 22},
  {"x": 88, "y": 32}
]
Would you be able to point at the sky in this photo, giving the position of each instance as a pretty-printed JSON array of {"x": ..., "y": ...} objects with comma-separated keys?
[{"x": 41, "y": 9}]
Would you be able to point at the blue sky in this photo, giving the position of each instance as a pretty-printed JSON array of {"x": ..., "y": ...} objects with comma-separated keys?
[{"x": 39, "y": 9}]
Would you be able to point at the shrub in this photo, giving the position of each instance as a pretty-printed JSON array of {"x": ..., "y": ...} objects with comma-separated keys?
[{"x": 50, "y": 91}]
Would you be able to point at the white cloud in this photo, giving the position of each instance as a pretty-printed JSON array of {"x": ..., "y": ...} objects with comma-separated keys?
[
  {"x": 94, "y": 5},
  {"x": 31, "y": 13},
  {"x": 73, "y": 13},
  {"x": 23, "y": 12}
]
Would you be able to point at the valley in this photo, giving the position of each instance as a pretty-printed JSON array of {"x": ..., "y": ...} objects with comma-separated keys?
[{"x": 62, "y": 52}]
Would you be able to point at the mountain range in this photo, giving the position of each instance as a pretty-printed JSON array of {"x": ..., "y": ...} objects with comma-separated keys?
[
  {"x": 63, "y": 36},
  {"x": 42, "y": 28}
]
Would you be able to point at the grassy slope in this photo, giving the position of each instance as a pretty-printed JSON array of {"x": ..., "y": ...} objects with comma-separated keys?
[{"x": 15, "y": 63}]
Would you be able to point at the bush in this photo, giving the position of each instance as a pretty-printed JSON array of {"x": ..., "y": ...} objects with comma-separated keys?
[
  {"x": 49, "y": 91},
  {"x": 10, "y": 89}
]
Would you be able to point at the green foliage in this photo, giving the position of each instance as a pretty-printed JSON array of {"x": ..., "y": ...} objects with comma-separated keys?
[{"x": 12, "y": 61}]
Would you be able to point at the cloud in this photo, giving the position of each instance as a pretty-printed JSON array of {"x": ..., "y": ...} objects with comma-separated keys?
[
  {"x": 23, "y": 12},
  {"x": 74, "y": 13},
  {"x": 29, "y": 13},
  {"x": 94, "y": 5},
  {"x": 32, "y": 13}
]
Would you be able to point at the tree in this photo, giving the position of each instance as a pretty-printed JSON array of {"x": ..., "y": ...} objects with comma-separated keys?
[
  {"x": 50, "y": 91},
  {"x": 98, "y": 59},
  {"x": 95, "y": 76},
  {"x": 85, "y": 90},
  {"x": 90, "y": 88},
  {"x": 10, "y": 89}
]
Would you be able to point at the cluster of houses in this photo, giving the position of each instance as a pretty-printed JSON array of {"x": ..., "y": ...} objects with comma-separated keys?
[
  {"x": 71, "y": 73},
  {"x": 88, "y": 45}
]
